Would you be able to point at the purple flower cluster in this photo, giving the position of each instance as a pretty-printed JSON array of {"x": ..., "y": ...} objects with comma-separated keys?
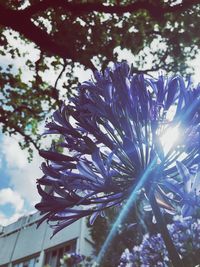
[
  {"x": 152, "y": 252},
  {"x": 185, "y": 234}
]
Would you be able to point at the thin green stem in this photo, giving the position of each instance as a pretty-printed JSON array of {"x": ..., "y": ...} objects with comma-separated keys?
[{"x": 173, "y": 254}]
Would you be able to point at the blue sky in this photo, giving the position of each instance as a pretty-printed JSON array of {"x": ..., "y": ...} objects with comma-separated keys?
[{"x": 18, "y": 193}]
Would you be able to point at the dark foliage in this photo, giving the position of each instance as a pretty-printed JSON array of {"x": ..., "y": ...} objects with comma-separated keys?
[{"x": 85, "y": 33}]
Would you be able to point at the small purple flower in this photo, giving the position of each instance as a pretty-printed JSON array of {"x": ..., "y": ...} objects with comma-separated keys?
[
  {"x": 185, "y": 233},
  {"x": 110, "y": 134},
  {"x": 72, "y": 259},
  {"x": 153, "y": 252},
  {"x": 127, "y": 257}
]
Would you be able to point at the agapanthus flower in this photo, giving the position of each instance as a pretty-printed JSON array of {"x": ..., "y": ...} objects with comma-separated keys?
[
  {"x": 153, "y": 252},
  {"x": 111, "y": 134},
  {"x": 150, "y": 253},
  {"x": 185, "y": 233}
]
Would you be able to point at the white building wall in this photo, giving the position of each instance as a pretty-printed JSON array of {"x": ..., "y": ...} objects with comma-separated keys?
[
  {"x": 21, "y": 239},
  {"x": 8, "y": 241},
  {"x": 84, "y": 244}
]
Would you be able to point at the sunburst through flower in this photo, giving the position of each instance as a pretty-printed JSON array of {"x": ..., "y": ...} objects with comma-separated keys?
[{"x": 117, "y": 127}]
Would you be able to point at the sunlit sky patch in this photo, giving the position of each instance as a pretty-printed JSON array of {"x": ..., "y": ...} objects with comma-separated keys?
[{"x": 169, "y": 138}]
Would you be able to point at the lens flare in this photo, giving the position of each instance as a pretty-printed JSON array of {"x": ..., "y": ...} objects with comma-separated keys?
[
  {"x": 123, "y": 214},
  {"x": 169, "y": 138}
]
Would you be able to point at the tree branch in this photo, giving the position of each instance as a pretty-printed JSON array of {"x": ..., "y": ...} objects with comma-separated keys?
[
  {"x": 23, "y": 24},
  {"x": 61, "y": 73},
  {"x": 27, "y": 138},
  {"x": 54, "y": 89},
  {"x": 79, "y": 8},
  {"x": 20, "y": 21}
]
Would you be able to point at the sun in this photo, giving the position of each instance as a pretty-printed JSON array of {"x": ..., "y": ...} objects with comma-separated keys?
[{"x": 169, "y": 138}]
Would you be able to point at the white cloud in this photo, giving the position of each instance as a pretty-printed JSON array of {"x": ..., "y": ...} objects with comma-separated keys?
[
  {"x": 22, "y": 174},
  {"x": 15, "y": 157},
  {"x": 4, "y": 220},
  {"x": 8, "y": 196}
]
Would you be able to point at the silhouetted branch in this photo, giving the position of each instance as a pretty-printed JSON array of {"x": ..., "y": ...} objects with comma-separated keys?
[
  {"x": 21, "y": 21},
  {"x": 154, "y": 8},
  {"x": 23, "y": 24},
  {"x": 61, "y": 73},
  {"x": 27, "y": 138}
]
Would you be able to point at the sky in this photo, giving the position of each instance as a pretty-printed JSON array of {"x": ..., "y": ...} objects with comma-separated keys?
[{"x": 18, "y": 193}]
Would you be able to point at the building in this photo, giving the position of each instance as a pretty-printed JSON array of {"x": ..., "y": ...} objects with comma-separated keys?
[{"x": 22, "y": 245}]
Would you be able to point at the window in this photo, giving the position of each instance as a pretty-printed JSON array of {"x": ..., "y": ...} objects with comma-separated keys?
[
  {"x": 31, "y": 262},
  {"x": 53, "y": 256}
]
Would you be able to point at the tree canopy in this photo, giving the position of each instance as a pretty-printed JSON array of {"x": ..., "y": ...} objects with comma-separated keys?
[{"x": 68, "y": 34}]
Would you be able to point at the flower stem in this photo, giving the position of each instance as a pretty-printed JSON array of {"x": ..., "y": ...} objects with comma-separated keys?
[{"x": 173, "y": 254}]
